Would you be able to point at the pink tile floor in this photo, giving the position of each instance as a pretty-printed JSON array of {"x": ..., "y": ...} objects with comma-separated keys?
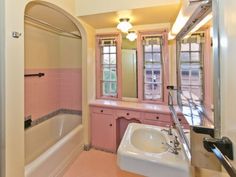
[{"x": 95, "y": 163}]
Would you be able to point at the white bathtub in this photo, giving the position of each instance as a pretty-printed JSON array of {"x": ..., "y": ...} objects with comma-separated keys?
[{"x": 52, "y": 145}]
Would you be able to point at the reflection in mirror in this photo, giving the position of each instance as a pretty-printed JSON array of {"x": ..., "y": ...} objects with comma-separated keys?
[
  {"x": 191, "y": 67},
  {"x": 129, "y": 68},
  {"x": 195, "y": 77}
]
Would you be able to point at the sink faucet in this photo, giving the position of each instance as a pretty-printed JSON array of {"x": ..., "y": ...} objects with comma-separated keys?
[
  {"x": 169, "y": 131},
  {"x": 172, "y": 149},
  {"x": 175, "y": 147},
  {"x": 176, "y": 142}
]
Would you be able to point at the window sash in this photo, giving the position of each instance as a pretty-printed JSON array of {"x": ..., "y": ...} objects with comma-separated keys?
[
  {"x": 153, "y": 68},
  {"x": 191, "y": 84},
  {"x": 108, "y": 61}
]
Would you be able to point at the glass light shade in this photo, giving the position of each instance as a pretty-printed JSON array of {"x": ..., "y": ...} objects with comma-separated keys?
[
  {"x": 124, "y": 25},
  {"x": 131, "y": 36}
]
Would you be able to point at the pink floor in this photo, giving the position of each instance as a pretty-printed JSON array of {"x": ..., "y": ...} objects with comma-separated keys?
[{"x": 96, "y": 163}]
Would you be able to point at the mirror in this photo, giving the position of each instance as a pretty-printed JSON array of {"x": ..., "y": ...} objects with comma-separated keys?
[
  {"x": 129, "y": 68},
  {"x": 195, "y": 72}
]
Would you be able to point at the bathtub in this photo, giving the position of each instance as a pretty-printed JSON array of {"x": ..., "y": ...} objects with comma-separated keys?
[{"x": 51, "y": 146}]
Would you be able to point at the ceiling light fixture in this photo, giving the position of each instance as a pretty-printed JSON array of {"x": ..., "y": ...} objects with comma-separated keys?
[
  {"x": 131, "y": 35},
  {"x": 124, "y": 25}
]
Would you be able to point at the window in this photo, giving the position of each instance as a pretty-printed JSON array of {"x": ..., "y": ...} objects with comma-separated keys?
[
  {"x": 152, "y": 59},
  {"x": 153, "y": 66},
  {"x": 107, "y": 67},
  {"x": 191, "y": 68}
]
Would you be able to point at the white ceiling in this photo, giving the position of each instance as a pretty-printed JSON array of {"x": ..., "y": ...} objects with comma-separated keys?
[
  {"x": 140, "y": 16},
  {"x": 91, "y": 7}
]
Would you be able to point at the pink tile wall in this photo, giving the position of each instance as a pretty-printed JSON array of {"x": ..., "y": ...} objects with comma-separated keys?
[
  {"x": 59, "y": 88},
  {"x": 71, "y": 89}
]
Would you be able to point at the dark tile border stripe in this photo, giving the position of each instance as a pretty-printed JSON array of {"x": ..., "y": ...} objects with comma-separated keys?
[{"x": 53, "y": 114}]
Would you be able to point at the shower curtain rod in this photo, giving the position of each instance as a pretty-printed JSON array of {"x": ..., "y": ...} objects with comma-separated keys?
[{"x": 52, "y": 27}]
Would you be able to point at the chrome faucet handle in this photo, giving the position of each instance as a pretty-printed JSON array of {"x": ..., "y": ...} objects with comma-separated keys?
[
  {"x": 172, "y": 149},
  {"x": 170, "y": 130},
  {"x": 176, "y": 142}
]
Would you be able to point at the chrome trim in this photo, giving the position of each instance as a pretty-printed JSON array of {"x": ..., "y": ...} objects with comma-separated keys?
[
  {"x": 200, "y": 13},
  {"x": 182, "y": 137},
  {"x": 216, "y": 74}
]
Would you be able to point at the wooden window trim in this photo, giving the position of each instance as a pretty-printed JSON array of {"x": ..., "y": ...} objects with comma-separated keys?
[
  {"x": 207, "y": 72},
  {"x": 200, "y": 62},
  {"x": 117, "y": 37},
  {"x": 165, "y": 72}
]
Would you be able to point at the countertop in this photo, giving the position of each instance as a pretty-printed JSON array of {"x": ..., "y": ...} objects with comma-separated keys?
[{"x": 137, "y": 106}]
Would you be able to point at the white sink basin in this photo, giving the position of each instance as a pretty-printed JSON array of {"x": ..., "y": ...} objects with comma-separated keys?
[
  {"x": 149, "y": 140},
  {"x": 143, "y": 151}
]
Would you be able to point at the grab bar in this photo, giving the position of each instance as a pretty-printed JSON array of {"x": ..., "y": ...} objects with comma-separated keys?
[
  {"x": 223, "y": 150},
  {"x": 35, "y": 75}
]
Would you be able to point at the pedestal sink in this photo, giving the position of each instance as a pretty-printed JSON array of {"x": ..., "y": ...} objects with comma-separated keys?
[{"x": 143, "y": 150}]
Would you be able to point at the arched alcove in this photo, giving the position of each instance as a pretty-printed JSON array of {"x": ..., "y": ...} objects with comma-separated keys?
[{"x": 55, "y": 50}]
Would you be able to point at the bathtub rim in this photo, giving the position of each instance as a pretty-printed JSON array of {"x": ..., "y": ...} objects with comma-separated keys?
[{"x": 41, "y": 159}]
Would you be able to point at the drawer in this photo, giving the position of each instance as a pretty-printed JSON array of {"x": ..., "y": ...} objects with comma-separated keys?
[
  {"x": 128, "y": 114},
  {"x": 186, "y": 126},
  {"x": 102, "y": 110},
  {"x": 183, "y": 125},
  {"x": 182, "y": 120},
  {"x": 157, "y": 117},
  {"x": 157, "y": 123}
]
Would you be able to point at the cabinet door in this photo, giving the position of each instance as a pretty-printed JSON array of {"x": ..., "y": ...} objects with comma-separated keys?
[{"x": 103, "y": 131}]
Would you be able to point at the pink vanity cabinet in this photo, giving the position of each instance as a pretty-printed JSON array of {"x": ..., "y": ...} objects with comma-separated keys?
[
  {"x": 102, "y": 127},
  {"x": 183, "y": 121},
  {"x": 108, "y": 124},
  {"x": 163, "y": 120}
]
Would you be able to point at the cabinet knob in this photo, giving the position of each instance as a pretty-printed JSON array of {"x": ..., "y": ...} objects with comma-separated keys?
[
  {"x": 101, "y": 110},
  {"x": 157, "y": 117},
  {"x": 127, "y": 114},
  {"x": 110, "y": 125}
]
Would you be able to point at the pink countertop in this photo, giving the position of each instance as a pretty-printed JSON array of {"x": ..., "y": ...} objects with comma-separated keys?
[{"x": 131, "y": 106}]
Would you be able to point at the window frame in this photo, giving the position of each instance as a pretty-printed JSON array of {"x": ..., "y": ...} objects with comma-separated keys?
[
  {"x": 207, "y": 70},
  {"x": 99, "y": 69},
  {"x": 200, "y": 62},
  {"x": 163, "y": 33}
]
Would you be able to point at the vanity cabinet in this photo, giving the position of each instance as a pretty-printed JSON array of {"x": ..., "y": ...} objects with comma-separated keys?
[
  {"x": 183, "y": 122},
  {"x": 128, "y": 114},
  {"x": 108, "y": 123},
  {"x": 102, "y": 127},
  {"x": 163, "y": 120},
  {"x": 123, "y": 119}
]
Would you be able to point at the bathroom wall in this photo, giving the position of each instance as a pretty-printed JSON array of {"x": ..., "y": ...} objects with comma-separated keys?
[
  {"x": 13, "y": 147},
  {"x": 227, "y": 24},
  {"x": 60, "y": 59},
  {"x": 14, "y": 91}
]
